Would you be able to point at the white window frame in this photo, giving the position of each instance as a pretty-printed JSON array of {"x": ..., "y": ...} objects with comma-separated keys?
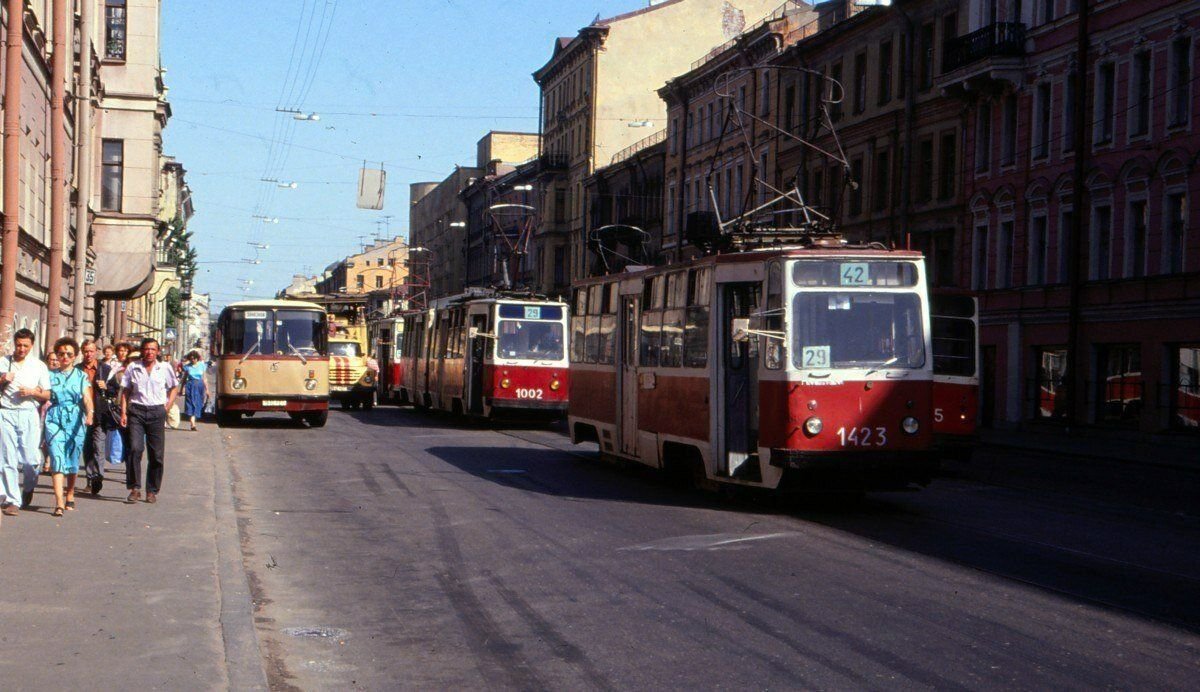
[
  {"x": 1094, "y": 240},
  {"x": 1038, "y": 214},
  {"x": 1130, "y": 135},
  {"x": 1187, "y": 84},
  {"x": 979, "y": 260},
  {"x": 1127, "y": 234},
  {"x": 1164, "y": 254}
]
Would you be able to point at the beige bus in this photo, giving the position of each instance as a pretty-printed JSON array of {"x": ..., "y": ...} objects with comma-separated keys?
[{"x": 272, "y": 356}]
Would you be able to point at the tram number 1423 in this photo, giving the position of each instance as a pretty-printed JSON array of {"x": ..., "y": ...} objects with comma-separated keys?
[{"x": 863, "y": 437}]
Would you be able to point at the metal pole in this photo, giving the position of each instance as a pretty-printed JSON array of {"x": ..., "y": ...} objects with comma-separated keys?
[
  {"x": 83, "y": 175},
  {"x": 9, "y": 248},
  {"x": 58, "y": 170},
  {"x": 1079, "y": 198}
]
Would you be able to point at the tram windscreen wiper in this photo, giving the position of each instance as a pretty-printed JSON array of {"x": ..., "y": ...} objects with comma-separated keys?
[{"x": 890, "y": 361}]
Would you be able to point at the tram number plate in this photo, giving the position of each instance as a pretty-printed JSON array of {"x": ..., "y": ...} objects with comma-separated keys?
[
  {"x": 815, "y": 356},
  {"x": 533, "y": 312},
  {"x": 863, "y": 437},
  {"x": 523, "y": 393},
  {"x": 855, "y": 274},
  {"x": 274, "y": 402}
]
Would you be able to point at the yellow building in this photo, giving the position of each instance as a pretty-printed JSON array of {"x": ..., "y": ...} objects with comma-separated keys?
[
  {"x": 382, "y": 265},
  {"x": 599, "y": 96}
]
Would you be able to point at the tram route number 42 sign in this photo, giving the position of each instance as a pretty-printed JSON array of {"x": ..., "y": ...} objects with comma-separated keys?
[{"x": 855, "y": 273}]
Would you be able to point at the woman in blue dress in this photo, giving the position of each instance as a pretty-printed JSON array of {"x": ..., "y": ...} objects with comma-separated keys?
[
  {"x": 67, "y": 422},
  {"x": 195, "y": 390}
]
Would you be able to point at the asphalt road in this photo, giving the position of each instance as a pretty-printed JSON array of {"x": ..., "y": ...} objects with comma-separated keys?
[{"x": 393, "y": 549}]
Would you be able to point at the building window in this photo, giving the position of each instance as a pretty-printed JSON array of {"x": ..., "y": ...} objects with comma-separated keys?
[
  {"x": 560, "y": 205},
  {"x": 789, "y": 109},
  {"x": 1041, "y": 122},
  {"x": 1065, "y": 220},
  {"x": 925, "y": 57},
  {"x": 924, "y": 180},
  {"x": 560, "y": 266},
  {"x": 885, "y": 72},
  {"x": 1069, "y": 105},
  {"x": 1004, "y": 255},
  {"x": 979, "y": 269},
  {"x": 764, "y": 92},
  {"x": 1174, "y": 232},
  {"x": 947, "y": 162},
  {"x": 1139, "y": 94},
  {"x": 360, "y": 281},
  {"x": 112, "y": 174},
  {"x": 674, "y": 136},
  {"x": 1039, "y": 249},
  {"x": 860, "y": 83},
  {"x": 1135, "y": 241},
  {"x": 1180, "y": 81},
  {"x": 883, "y": 180},
  {"x": 1051, "y": 371},
  {"x": 114, "y": 29},
  {"x": 949, "y": 32},
  {"x": 1106, "y": 77},
  {"x": 1118, "y": 383},
  {"x": 1185, "y": 397},
  {"x": 379, "y": 282},
  {"x": 856, "y": 190},
  {"x": 983, "y": 138},
  {"x": 818, "y": 187},
  {"x": 1047, "y": 14},
  {"x": 835, "y": 109},
  {"x": 1101, "y": 242},
  {"x": 1008, "y": 135}
]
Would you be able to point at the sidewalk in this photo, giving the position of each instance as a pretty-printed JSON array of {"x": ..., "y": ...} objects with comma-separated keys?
[{"x": 116, "y": 596}]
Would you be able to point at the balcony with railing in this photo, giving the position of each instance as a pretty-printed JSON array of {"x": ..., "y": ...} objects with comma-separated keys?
[
  {"x": 994, "y": 53},
  {"x": 644, "y": 143}
]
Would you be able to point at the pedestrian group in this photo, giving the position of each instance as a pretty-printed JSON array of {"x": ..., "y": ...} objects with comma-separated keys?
[{"x": 81, "y": 407}]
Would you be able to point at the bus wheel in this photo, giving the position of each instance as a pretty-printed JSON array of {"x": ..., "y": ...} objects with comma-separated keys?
[
  {"x": 317, "y": 420},
  {"x": 226, "y": 419},
  {"x": 368, "y": 402}
]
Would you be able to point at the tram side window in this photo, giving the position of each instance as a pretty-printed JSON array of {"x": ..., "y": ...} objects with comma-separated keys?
[
  {"x": 578, "y": 319},
  {"x": 953, "y": 347},
  {"x": 608, "y": 326},
  {"x": 592, "y": 349},
  {"x": 695, "y": 329},
  {"x": 651, "y": 326},
  {"x": 773, "y": 317},
  {"x": 672, "y": 335}
]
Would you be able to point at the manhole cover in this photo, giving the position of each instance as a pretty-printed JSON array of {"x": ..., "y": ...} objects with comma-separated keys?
[{"x": 316, "y": 632}]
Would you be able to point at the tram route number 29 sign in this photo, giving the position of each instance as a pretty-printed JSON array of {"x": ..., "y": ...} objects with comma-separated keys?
[
  {"x": 855, "y": 273},
  {"x": 815, "y": 356}
]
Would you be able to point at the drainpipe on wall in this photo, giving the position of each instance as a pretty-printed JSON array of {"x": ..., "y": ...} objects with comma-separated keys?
[
  {"x": 83, "y": 175},
  {"x": 9, "y": 247},
  {"x": 1078, "y": 209},
  {"x": 58, "y": 171}
]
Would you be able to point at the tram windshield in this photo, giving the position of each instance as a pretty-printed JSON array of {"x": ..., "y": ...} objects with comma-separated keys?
[
  {"x": 274, "y": 332},
  {"x": 858, "y": 329},
  {"x": 530, "y": 332}
]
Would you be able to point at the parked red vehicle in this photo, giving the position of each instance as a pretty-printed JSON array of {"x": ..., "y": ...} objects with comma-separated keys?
[
  {"x": 487, "y": 353},
  {"x": 795, "y": 367},
  {"x": 955, "y": 371}
]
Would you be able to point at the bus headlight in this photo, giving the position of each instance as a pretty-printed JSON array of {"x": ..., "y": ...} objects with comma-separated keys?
[
  {"x": 554, "y": 385},
  {"x": 910, "y": 425},
  {"x": 368, "y": 378},
  {"x": 239, "y": 383},
  {"x": 310, "y": 384},
  {"x": 813, "y": 426},
  {"x": 504, "y": 383}
]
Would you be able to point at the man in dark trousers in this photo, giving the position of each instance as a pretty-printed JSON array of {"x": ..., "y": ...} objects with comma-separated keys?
[
  {"x": 97, "y": 372},
  {"x": 148, "y": 390}
]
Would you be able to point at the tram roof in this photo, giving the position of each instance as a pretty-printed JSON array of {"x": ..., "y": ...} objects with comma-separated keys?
[{"x": 292, "y": 304}]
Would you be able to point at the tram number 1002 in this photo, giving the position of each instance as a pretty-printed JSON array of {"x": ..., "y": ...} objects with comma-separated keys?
[
  {"x": 863, "y": 437},
  {"x": 523, "y": 393}
]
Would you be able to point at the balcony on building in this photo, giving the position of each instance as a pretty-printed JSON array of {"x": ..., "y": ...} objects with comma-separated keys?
[
  {"x": 554, "y": 161},
  {"x": 986, "y": 60}
]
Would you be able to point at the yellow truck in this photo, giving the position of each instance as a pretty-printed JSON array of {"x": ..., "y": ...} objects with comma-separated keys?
[{"x": 352, "y": 372}]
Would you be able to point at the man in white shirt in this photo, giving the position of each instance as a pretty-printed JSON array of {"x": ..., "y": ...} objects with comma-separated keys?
[
  {"x": 24, "y": 386},
  {"x": 148, "y": 390}
]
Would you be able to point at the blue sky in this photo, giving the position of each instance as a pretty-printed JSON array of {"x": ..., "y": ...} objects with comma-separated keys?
[{"x": 437, "y": 74}]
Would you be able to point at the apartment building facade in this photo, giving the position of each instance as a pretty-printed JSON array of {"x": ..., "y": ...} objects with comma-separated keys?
[
  {"x": 383, "y": 265},
  {"x": 1078, "y": 232}
]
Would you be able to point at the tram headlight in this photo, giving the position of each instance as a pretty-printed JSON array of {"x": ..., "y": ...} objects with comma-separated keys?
[
  {"x": 910, "y": 425},
  {"x": 813, "y": 426},
  {"x": 310, "y": 384},
  {"x": 505, "y": 383},
  {"x": 239, "y": 383},
  {"x": 554, "y": 385}
]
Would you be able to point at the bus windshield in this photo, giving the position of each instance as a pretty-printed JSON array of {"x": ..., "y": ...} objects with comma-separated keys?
[
  {"x": 274, "y": 332},
  {"x": 858, "y": 329},
  {"x": 529, "y": 340},
  {"x": 345, "y": 348}
]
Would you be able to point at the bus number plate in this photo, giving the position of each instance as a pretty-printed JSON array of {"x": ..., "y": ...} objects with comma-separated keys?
[
  {"x": 863, "y": 437},
  {"x": 274, "y": 402},
  {"x": 855, "y": 274},
  {"x": 523, "y": 393}
]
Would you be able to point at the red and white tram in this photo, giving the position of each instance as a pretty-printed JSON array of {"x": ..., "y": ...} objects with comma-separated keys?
[
  {"x": 386, "y": 336},
  {"x": 784, "y": 368},
  {"x": 955, "y": 370},
  {"x": 487, "y": 353}
]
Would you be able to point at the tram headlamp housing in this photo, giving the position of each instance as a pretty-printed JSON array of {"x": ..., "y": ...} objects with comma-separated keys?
[
  {"x": 554, "y": 385},
  {"x": 239, "y": 383},
  {"x": 310, "y": 384},
  {"x": 910, "y": 425},
  {"x": 504, "y": 383},
  {"x": 813, "y": 426}
]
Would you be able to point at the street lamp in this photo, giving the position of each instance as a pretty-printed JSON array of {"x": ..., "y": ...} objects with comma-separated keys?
[
  {"x": 259, "y": 246},
  {"x": 458, "y": 224}
]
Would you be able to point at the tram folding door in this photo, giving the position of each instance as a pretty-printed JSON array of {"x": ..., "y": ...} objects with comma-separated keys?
[
  {"x": 479, "y": 348},
  {"x": 738, "y": 382},
  {"x": 627, "y": 388}
]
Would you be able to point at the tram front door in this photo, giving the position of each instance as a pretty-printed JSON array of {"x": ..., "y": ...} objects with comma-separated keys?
[
  {"x": 739, "y": 381},
  {"x": 627, "y": 389}
]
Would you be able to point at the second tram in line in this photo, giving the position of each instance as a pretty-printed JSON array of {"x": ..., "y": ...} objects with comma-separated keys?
[
  {"x": 784, "y": 368},
  {"x": 487, "y": 354},
  {"x": 955, "y": 324}
]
